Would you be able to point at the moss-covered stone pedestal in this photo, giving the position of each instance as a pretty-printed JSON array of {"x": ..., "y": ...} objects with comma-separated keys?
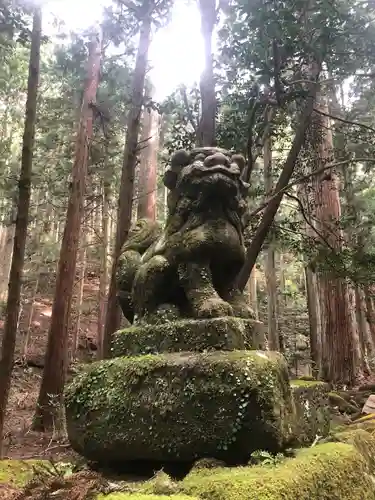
[
  {"x": 181, "y": 406},
  {"x": 228, "y": 334},
  {"x": 189, "y": 389}
]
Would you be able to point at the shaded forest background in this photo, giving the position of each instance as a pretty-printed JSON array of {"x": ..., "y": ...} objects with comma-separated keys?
[{"x": 84, "y": 145}]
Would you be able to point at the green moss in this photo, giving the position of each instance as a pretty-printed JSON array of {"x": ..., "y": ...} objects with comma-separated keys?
[
  {"x": 161, "y": 484},
  {"x": 306, "y": 383},
  {"x": 362, "y": 440},
  {"x": 336, "y": 400},
  {"x": 368, "y": 426},
  {"x": 312, "y": 410},
  {"x": 143, "y": 496},
  {"x": 18, "y": 472},
  {"x": 228, "y": 333},
  {"x": 332, "y": 471},
  {"x": 219, "y": 404}
]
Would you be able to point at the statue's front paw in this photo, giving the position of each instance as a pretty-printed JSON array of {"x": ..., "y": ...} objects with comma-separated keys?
[
  {"x": 243, "y": 311},
  {"x": 214, "y": 308}
]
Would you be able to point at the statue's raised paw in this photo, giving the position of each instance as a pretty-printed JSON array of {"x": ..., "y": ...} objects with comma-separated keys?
[{"x": 214, "y": 308}]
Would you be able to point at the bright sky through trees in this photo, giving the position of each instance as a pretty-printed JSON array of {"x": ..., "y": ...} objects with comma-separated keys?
[{"x": 176, "y": 54}]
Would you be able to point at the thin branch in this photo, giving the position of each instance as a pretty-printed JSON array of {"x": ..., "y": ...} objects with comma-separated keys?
[
  {"x": 343, "y": 120},
  {"x": 304, "y": 178},
  {"x": 286, "y": 173},
  {"x": 303, "y": 213},
  {"x": 188, "y": 110},
  {"x": 259, "y": 143}
]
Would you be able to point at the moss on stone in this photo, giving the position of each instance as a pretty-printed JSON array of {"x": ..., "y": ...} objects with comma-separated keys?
[
  {"x": 368, "y": 426},
  {"x": 228, "y": 333},
  {"x": 300, "y": 382},
  {"x": 181, "y": 406},
  {"x": 312, "y": 410},
  {"x": 360, "y": 439},
  {"x": 338, "y": 401},
  {"x": 18, "y": 472},
  {"x": 332, "y": 471}
]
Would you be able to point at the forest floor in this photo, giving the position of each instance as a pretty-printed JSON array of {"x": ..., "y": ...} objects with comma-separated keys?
[{"x": 20, "y": 441}]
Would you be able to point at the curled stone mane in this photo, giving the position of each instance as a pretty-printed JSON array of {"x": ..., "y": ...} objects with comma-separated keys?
[{"x": 193, "y": 191}]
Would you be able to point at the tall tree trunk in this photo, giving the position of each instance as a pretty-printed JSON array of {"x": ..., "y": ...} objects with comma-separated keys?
[
  {"x": 125, "y": 201},
  {"x": 30, "y": 317},
  {"x": 273, "y": 205},
  {"x": 6, "y": 251},
  {"x": 363, "y": 336},
  {"x": 206, "y": 129},
  {"x": 16, "y": 271},
  {"x": 103, "y": 265},
  {"x": 269, "y": 267},
  {"x": 147, "y": 182},
  {"x": 49, "y": 407},
  {"x": 82, "y": 254},
  {"x": 370, "y": 312},
  {"x": 283, "y": 297},
  {"x": 338, "y": 362},
  {"x": 313, "y": 307},
  {"x": 253, "y": 295}
]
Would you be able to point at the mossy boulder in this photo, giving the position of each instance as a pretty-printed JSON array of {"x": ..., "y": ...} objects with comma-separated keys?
[
  {"x": 227, "y": 333},
  {"x": 181, "y": 407},
  {"x": 332, "y": 471},
  {"x": 312, "y": 410}
]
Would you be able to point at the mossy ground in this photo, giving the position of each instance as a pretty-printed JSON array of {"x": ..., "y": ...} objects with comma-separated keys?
[
  {"x": 332, "y": 471},
  {"x": 142, "y": 496},
  {"x": 18, "y": 472},
  {"x": 342, "y": 469},
  {"x": 228, "y": 333},
  {"x": 219, "y": 404}
]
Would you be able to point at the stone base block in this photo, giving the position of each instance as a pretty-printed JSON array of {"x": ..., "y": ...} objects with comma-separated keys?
[
  {"x": 227, "y": 333},
  {"x": 181, "y": 406}
]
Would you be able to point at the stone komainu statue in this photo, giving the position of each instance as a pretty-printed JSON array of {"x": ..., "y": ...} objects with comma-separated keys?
[{"x": 189, "y": 268}]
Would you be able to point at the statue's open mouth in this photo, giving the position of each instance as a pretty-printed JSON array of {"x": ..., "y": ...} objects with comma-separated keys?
[{"x": 216, "y": 176}]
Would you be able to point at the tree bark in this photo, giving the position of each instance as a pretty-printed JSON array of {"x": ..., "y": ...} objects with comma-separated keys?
[
  {"x": 313, "y": 307},
  {"x": 207, "y": 125},
  {"x": 49, "y": 409},
  {"x": 147, "y": 183},
  {"x": 7, "y": 239},
  {"x": 269, "y": 268},
  {"x": 338, "y": 363},
  {"x": 103, "y": 265},
  {"x": 19, "y": 244},
  {"x": 29, "y": 321},
  {"x": 253, "y": 295},
  {"x": 363, "y": 336},
  {"x": 81, "y": 286},
  {"x": 273, "y": 206},
  {"x": 370, "y": 312},
  {"x": 125, "y": 201}
]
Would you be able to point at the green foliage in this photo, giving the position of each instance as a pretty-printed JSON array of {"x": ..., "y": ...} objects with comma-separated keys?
[{"x": 264, "y": 458}]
